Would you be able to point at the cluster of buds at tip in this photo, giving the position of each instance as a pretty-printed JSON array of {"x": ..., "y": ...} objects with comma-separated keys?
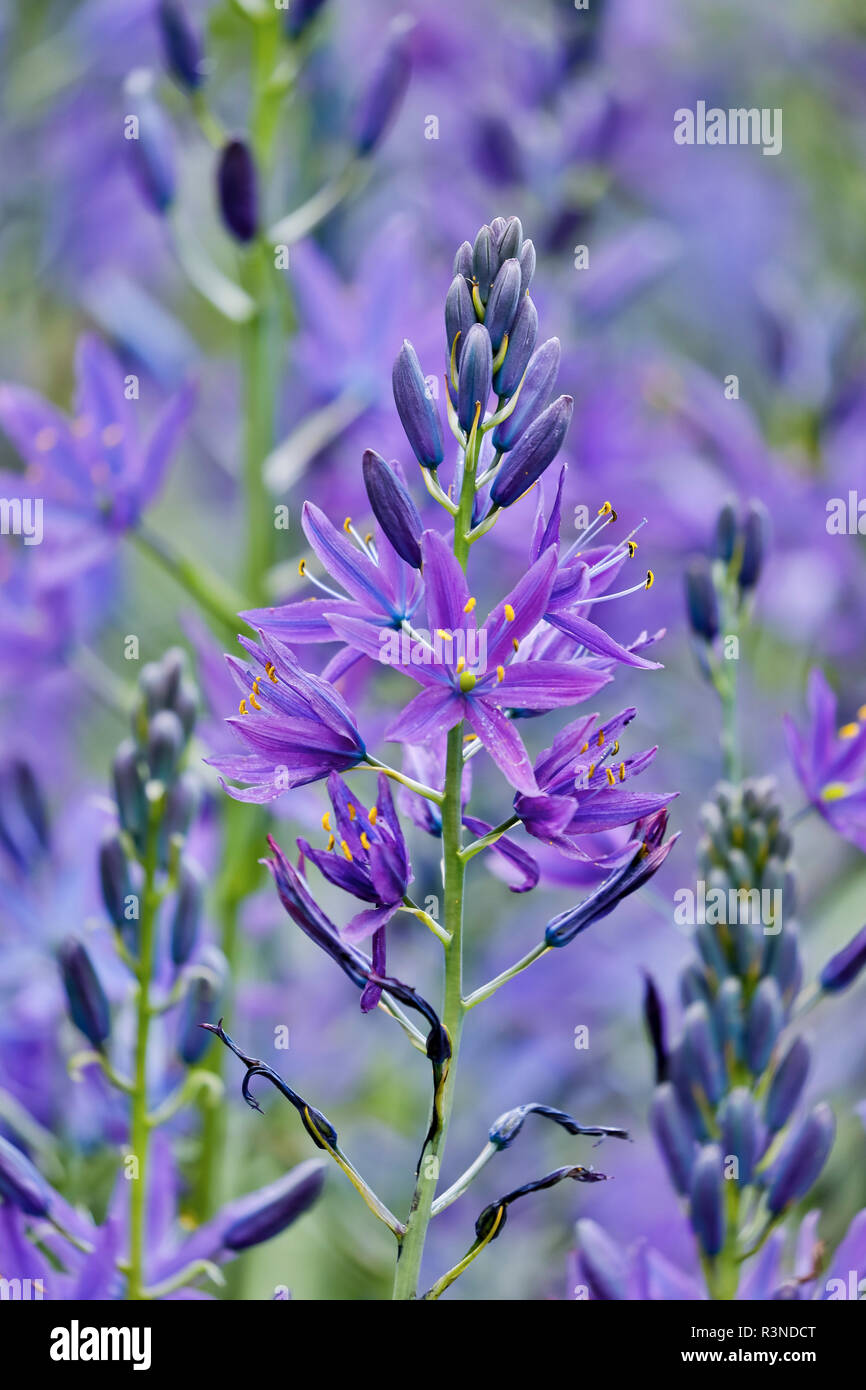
[
  {"x": 716, "y": 586},
  {"x": 726, "y": 1108}
]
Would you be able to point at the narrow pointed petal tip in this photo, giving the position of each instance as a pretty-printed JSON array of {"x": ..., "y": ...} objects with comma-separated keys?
[
  {"x": 21, "y": 1183},
  {"x": 266, "y": 1213},
  {"x": 534, "y": 452},
  {"x": 844, "y": 968},
  {"x": 393, "y": 508}
]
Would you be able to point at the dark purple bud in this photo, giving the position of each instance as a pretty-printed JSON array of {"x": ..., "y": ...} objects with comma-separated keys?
[
  {"x": 706, "y": 1200},
  {"x": 186, "y": 918},
  {"x": 728, "y": 1015},
  {"x": 801, "y": 1159},
  {"x": 180, "y": 805},
  {"x": 654, "y": 1018},
  {"x": 264, "y": 1214},
  {"x": 237, "y": 190},
  {"x": 741, "y": 1133},
  {"x": 527, "y": 265},
  {"x": 702, "y": 604},
  {"x": 726, "y": 533},
  {"x": 393, "y": 508},
  {"x": 787, "y": 1083},
  {"x": 182, "y": 46},
  {"x": 463, "y": 261},
  {"x": 601, "y": 1263},
  {"x": 701, "y": 1052},
  {"x": 534, "y": 451},
  {"x": 114, "y": 879},
  {"x": 521, "y": 344},
  {"x": 673, "y": 1135},
  {"x": 21, "y": 1183},
  {"x": 88, "y": 1005},
  {"x": 534, "y": 395},
  {"x": 497, "y": 227},
  {"x": 484, "y": 261},
  {"x": 782, "y": 957},
  {"x": 129, "y": 789},
  {"x": 300, "y": 14},
  {"x": 417, "y": 409},
  {"x": 31, "y": 801},
  {"x": 843, "y": 968},
  {"x": 185, "y": 706},
  {"x": 756, "y": 541},
  {"x": 476, "y": 376},
  {"x": 384, "y": 96},
  {"x": 459, "y": 315},
  {"x": 766, "y": 1017},
  {"x": 199, "y": 1005},
  {"x": 165, "y": 743},
  {"x": 502, "y": 303},
  {"x": 694, "y": 985},
  {"x": 510, "y": 243},
  {"x": 150, "y": 147}
]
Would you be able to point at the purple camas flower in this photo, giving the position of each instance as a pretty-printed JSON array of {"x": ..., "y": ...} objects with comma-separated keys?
[
  {"x": 96, "y": 479},
  {"x": 297, "y": 725},
  {"x": 831, "y": 761}
]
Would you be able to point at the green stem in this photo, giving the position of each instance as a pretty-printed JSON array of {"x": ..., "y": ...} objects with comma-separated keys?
[
  {"x": 412, "y": 1249},
  {"x": 479, "y": 995},
  {"x": 140, "y": 1127},
  {"x": 258, "y": 355}
]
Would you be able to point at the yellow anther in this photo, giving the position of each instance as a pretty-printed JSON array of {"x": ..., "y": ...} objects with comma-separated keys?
[
  {"x": 469, "y": 605},
  {"x": 270, "y": 670},
  {"x": 615, "y": 746},
  {"x": 585, "y": 748},
  {"x": 326, "y": 821},
  {"x": 331, "y": 843},
  {"x": 253, "y": 701},
  {"x": 603, "y": 511},
  {"x": 500, "y": 674},
  {"x": 509, "y": 613},
  {"x": 368, "y": 537},
  {"x": 849, "y": 731},
  {"x": 345, "y": 848},
  {"x": 861, "y": 713},
  {"x": 467, "y": 738},
  {"x": 111, "y": 436},
  {"x": 600, "y": 737},
  {"x": 515, "y": 644},
  {"x": 446, "y": 636},
  {"x": 632, "y": 549},
  {"x": 461, "y": 662},
  {"x": 347, "y": 525},
  {"x": 364, "y": 840},
  {"x": 352, "y": 811},
  {"x": 302, "y": 567},
  {"x": 591, "y": 770},
  {"x": 374, "y": 815},
  {"x": 622, "y": 772},
  {"x": 610, "y": 777},
  {"x": 242, "y": 707},
  {"x": 650, "y": 579}
]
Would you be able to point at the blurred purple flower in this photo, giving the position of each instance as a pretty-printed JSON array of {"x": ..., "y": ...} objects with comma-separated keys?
[{"x": 831, "y": 762}]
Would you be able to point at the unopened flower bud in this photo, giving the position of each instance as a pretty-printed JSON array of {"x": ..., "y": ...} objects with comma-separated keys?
[
  {"x": 502, "y": 303},
  {"x": 706, "y": 1200},
  {"x": 476, "y": 375},
  {"x": 88, "y": 1005},
  {"x": 237, "y": 190},
  {"x": 842, "y": 969},
  {"x": 299, "y": 14},
  {"x": 534, "y": 451},
  {"x": 787, "y": 1084},
  {"x": 459, "y": 315},
  {"x": 726, "y": 533},
  {"x": 673, "y": 1135},
  {"x": 701, "y": 1052},
  {"x": 165, "y": 743},
  {"x": 21, "y": 1183},
  {"x": 527, "y": 265},
  {"x": 484, "y": 261},
  {"x": 756, "y": 540},
  {"x": 801, "y": 1159},
  {"x": 534, "y": 395},
  {"x": 521, "y": 345},
  {"x": 393, "y": 508},
  {"x": 417, "y": 408},
  {"x": 510, "y": 243},
  {"x": 151, "y": 148},
  {"x": 182, "y": 46},
  {"x": 766, "y": 1017},
  {"x": 129, "y": 789},
  {"x": 264, "y": 1214},
  {"x": 186, "y": 918},
  {"x": 114, "y": 878},
  {"x": 702, "y": 603},
  {"x": 741, "y": 1132}
]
